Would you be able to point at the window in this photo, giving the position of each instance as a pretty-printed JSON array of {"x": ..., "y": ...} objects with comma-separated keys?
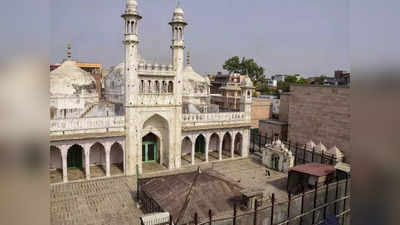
[{"x": 170, "y": 87}]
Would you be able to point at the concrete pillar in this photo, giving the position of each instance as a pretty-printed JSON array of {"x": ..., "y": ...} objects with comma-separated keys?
[
  {"x": 221, "y": 139},
  {"x": 108, "y": 163},
  {"x": 86, "y": 149},
  {"x": 193, "y": 151},
  {"x": 64, "y": 154},
  {"x": 207, "y": 144}
]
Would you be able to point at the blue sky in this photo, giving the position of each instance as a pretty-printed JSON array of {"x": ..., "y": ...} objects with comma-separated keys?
[{"x": 309, "y": 37}]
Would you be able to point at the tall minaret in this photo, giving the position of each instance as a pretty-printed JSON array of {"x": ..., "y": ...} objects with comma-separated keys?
[
  {"x": 178, "y": 41},
  {"x": 131, "y": 41},
  {"x": 177, "y": 47}
]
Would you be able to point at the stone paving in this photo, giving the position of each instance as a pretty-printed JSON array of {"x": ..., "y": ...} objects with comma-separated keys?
[{"x": 111, "y": 201}]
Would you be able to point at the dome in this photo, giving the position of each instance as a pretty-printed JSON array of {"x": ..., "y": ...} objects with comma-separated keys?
[
  {"x": 247, "y": 82},
  {"x": 190, "y": 74},
  {"x": 68, "y": 79},
  {"x": 178, "y": 15},
  {"x": 310, "y": 145},
  {"x": 131, "y": 5},
  {"x": 336, "y": 152},
  {"x": 320, "y": 148},
  {"x": 178, "y": 10}
]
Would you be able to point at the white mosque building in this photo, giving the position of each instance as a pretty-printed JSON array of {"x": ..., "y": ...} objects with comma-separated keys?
[{"x": 153, "y": 117}]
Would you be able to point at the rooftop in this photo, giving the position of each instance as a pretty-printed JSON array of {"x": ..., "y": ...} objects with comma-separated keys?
[{"x": 315, "y": 169}]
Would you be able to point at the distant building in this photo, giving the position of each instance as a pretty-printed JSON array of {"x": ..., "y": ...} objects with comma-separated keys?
[
  {"x": 311, "y": 113},
  {"x": 341, "y": 78},
  {"x": 225, "y": 90}
]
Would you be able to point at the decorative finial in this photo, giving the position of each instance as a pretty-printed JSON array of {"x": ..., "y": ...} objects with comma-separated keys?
[
  {"x": 188, "y": 58},
  {"x": 178, "y": 4},
  {"x": 69, "y": 50}
]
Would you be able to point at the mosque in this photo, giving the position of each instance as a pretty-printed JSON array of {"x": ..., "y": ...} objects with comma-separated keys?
[{"x": 152, "y": 116}]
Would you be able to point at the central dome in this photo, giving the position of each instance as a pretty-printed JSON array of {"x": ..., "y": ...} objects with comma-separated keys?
[{"x": 70, "y": 80}]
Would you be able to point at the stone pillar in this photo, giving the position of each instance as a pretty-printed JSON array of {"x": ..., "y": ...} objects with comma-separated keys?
[
  {"x": 64, "y": 154},
  {"x": 108, "y": 163},
  {"x": 193, "y": 151},
  {"x": 233, "y": 145},
  {"x": 220, "y": 147},
  {"x": 207, "y": 144},
  {"x": 86, "y": 149},
  {"x": 124, "y": 157}
]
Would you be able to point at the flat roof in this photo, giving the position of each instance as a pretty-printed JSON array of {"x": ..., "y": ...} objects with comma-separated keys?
[{"x": 315, "y": 169}]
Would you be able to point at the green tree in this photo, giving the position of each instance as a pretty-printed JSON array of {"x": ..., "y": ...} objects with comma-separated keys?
[
  {"x": 245, "y": 66},
  {"x": 291, "y": 79}
]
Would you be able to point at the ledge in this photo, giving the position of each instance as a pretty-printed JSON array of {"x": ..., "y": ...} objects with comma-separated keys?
[{"x": 86, "y": 136}]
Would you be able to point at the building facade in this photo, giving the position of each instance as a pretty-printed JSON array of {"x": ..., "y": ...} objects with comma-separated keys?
[{"x": 153, "y": 115}]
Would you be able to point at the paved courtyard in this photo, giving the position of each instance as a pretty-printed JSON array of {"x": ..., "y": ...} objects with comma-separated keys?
[{"x": 112, "y": 201}]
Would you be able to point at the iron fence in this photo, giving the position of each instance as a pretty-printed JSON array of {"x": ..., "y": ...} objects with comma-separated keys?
[
  {"x": 328, "y": 201},
  {"x": 301, "y": 153}
]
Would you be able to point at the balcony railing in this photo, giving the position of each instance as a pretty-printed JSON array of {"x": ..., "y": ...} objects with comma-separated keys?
[
  {"x": 213, "y": 117},
  {"x": 86, "y": 124}
]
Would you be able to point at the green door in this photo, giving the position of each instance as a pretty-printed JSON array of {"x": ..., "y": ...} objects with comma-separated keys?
[
  {"x": 74, "y": 158},
  {"x": 149, "y": 151},
  {"x": 200, "y": 145}
]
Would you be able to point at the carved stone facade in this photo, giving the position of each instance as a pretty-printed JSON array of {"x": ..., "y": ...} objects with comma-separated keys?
[{"x": 152, "y": 128}]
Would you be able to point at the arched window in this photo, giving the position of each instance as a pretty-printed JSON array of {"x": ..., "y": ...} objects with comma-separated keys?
[
  {"x": 157, "y": 88},
  {"x": 149, "y": 87},
  {"x": 248, "y": 94},
  {"x": 176, "y": 33},
  {"x": 180, "y": 34},
  {"x": 133, "y": 27},
  {"x": 170, "y": 87},
  {"x": 164, "y": 87},
  {"x": 142, "y": 86}
]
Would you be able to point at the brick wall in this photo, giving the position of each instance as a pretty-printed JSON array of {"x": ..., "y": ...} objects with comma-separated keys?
[
  {"x": 260, "y": 110},
  {"x": 284, "y": 107},
  {"x": 320, "y": 114}
]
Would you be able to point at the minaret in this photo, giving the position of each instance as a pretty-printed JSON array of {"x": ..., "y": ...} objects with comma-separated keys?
[
  {"x": 131, "y": 41},
  {"x": 178, "y": 46},
  {"x": 178, "y": 41}
]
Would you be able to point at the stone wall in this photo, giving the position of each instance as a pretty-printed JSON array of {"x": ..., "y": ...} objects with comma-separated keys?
[
  {"x": 321, "y": 114},
  {"x": 260, "y": 110}
]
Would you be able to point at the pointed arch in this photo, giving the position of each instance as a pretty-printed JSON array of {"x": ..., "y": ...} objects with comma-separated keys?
[
  {"x": 116, "y": 159},
  {"x": 158, "y": 126},
  {"x": 238, "y": 145},
  {"x": 227, "y": 144}
]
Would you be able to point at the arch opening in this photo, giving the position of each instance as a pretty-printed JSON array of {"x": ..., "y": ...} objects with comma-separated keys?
[
  {"x": 186, "y": 151},
  {"x": 97, "y": 160},
  {"x": 116, "y": 159},
  {"x": 227, "y": 145},
  {"x": 213, "y": 146},
  {"x": 75, "y": 162},
  {"x": 200, "y": 147},
  {"x": 55, "y": 165},
  {"x": 238, "y": 146}
]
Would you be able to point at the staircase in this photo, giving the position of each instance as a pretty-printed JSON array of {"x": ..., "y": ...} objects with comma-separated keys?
[{"x": 88, "y": 109}]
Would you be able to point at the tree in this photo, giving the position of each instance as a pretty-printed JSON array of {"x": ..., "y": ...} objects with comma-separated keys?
[
  {"x": 291, "y": 79},
  {"x": 245, "y": 66}
]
